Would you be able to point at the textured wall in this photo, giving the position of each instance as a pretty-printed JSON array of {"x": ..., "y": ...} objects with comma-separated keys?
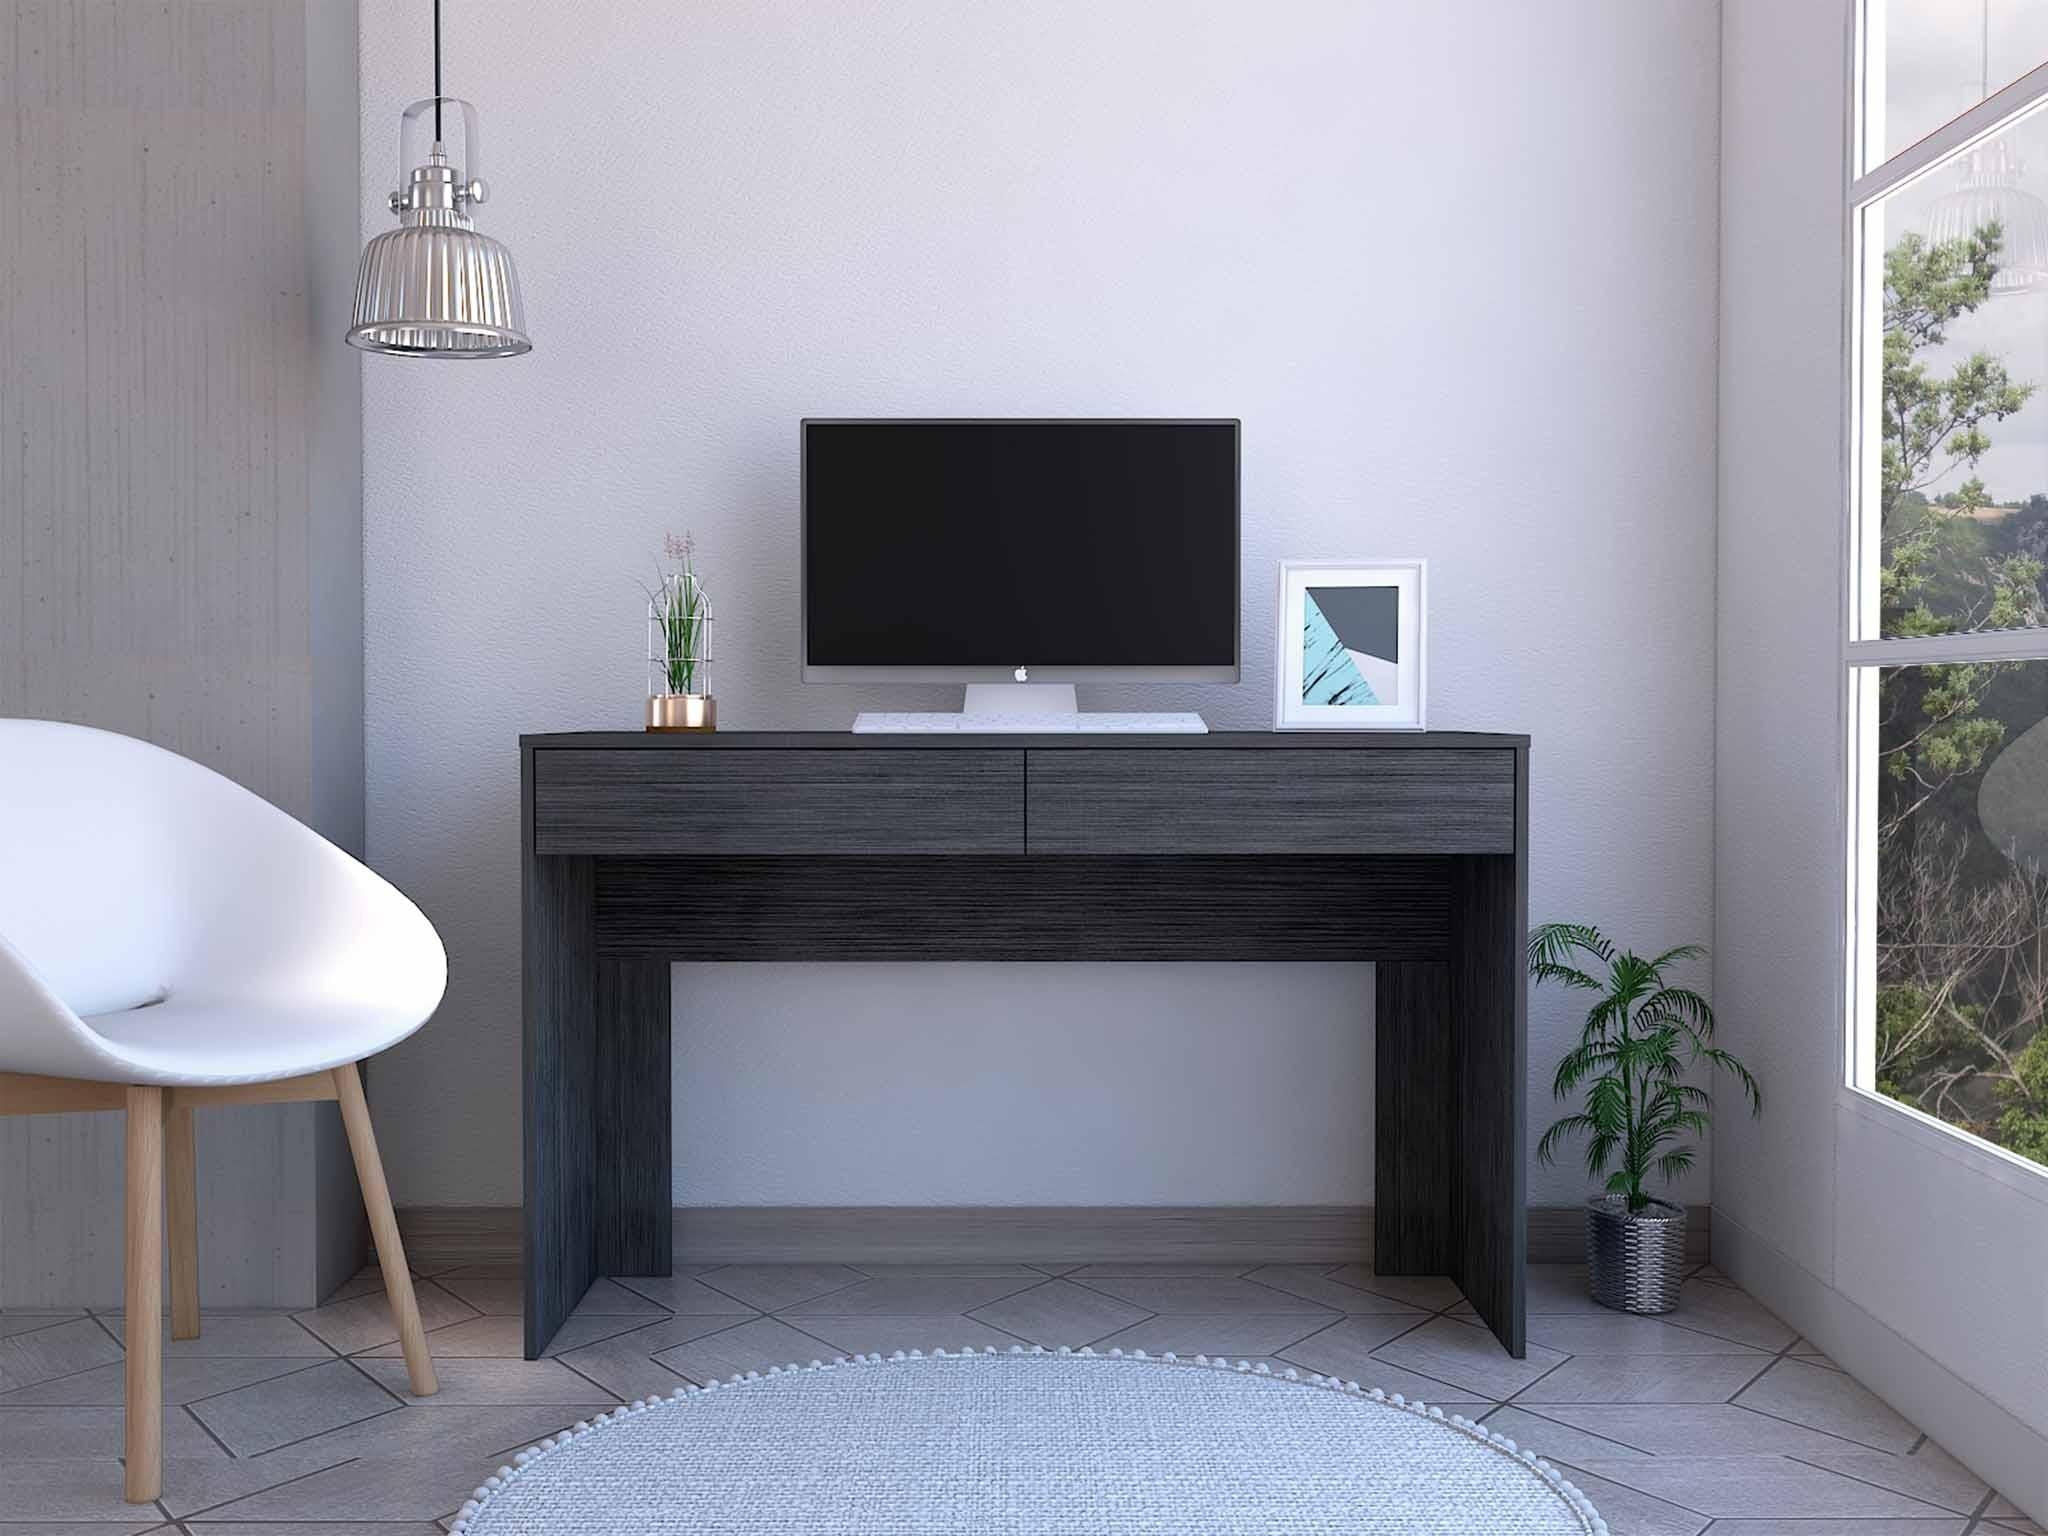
[
  {"x": 180, "y": 518},
  {"x": 1453, "y": 265}
]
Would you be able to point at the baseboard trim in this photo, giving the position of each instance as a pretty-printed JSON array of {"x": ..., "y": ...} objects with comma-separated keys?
[
  {"x": 1986, "y": 1437},
  {"x": 437, "y": 1236}
]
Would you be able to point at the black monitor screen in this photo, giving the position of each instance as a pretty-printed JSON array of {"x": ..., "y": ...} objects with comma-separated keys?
[{"x": 1005, "y": 543}]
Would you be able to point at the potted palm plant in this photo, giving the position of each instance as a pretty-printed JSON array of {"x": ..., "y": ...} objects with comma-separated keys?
[{"x": 1641, "y": 1037}]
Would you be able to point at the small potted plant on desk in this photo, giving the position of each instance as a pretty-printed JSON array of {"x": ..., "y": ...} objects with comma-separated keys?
[
  {"x": 1640, "y": 1038},
  {"x": 679, "y": 645}
]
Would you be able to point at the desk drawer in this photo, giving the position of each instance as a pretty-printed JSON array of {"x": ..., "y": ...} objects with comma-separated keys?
[
  {"x": 717, "y": 801},
  {"x": 1272, "y": 800}
]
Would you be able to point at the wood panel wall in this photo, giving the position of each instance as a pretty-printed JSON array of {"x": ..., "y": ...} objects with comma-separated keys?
[{"x": 180, "y": 510}]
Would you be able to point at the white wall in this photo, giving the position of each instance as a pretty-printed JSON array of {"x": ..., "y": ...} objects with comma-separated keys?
[
  {"x": 1913, "y": 1258},
  {"x": 1454, "y": 265}
]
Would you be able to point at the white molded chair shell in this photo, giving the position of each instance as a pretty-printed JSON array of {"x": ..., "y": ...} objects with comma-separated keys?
[{"x": 161, "y": 924}]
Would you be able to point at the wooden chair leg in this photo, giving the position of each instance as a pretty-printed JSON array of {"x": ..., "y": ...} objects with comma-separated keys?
[
  {"x": 362, "y": 1142},
  {"x": 181, "y": 1172},
  {"x": 144, "y": 1283}
]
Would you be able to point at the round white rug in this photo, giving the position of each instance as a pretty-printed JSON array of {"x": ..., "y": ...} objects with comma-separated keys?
[{"x": 1028, "y": 1443}]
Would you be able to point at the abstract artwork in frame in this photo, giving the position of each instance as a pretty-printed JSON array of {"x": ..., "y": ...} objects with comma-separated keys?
[{"x": 1351, "y": 644}]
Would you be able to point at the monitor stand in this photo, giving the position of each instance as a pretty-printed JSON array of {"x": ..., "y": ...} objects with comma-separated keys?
[
  {"x": 1020, "y": 699},
  {"x": 1027, "y": 708}
]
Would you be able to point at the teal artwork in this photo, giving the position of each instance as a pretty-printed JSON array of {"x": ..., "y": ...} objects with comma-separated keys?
[{"x": 1328, "y": 673}]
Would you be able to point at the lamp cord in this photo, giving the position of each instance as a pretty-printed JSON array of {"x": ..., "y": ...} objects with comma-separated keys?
[{"x": 437, "y": 70}]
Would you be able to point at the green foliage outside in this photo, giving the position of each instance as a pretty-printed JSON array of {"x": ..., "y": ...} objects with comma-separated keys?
[
  {"x": 1642, "y": 1035},
  {"x": 1962, "y": 932}
]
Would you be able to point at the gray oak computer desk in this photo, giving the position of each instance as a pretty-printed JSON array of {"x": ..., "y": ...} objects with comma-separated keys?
[{"x": 1408, "y": 850}]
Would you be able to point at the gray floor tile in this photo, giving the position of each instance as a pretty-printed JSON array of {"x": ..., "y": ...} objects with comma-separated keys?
[
  {"x": 1730, "y": 1487},
  {"x": 624, "y": 1365},
  {"x": 1429, "y": 1292},
  {"x": 771, "y": 1287},
  {"x": 47, "y": 1353},
  {"x": 193, "y": 1487},
  {"x": 1550, "y": 1439},
  {"x": 1693, "y": 1429},
  {"x": 1646, "y": 1379},
  {"x": 418, "y": 1488},
  {"x": 988, "y": 1267},
  {"x": 1843, "y": 1527},
  {"x": 608, "y": 1298},
  {"x": 496, "y": 1336},
  {"x": 1311, "y": 1283},
  {"x": 1930, "y": 1474},
  {"x": 65, "y": 1490},
  {"x": 1723, "y": 1310},
  {"x": 1629, "y": 1513},
  {"x": 72, "y": 1528},
  {"x": 1059, "y": 1313},
  {"x": 253, "y": 1335},
  {"x": 418, "y": 1430},
  {"x": 254, "y": 1419},
  {"x": 1467, "y": 1356},
  {"x": 1617, "y": 1333},
  {"x": 1232, "y": 1333},
  {"x": 1344, "y": 1350},
  {"x": 301, "y": 1528},
  {"x": 31, "y": 1321},
  {"x": 363, "y": 1322},
  {"x": 1143, "y": 1270},
  {"x": 1205, "y": 1296},
  {"x": 489, "y": 1288},
  {"x": 1560, "y": 1290},
  {"x": 886, "y": 1333},
  {"x": 1805, "y": 1393},
  {"x": 26, "y": 1433},
  {"x": 683, "y": 1294},
  {"x": 478, "y": 1382},
  {"x": 753, "y": 1346},
  {"x": 185, "y": 1381},
  {"x": 917, "y": 1295}
]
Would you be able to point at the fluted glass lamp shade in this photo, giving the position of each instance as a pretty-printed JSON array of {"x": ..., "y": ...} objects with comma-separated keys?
[
  {"x": 1989, "y": 192},
  {"x": 434, "y": 286}
]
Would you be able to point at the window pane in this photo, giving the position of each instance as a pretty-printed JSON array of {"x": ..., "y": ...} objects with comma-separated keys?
[
  {"x": 1954, "y": 411},
  {"x": 1961, "y": 898},
  {"x": 1932, "y": 60}
]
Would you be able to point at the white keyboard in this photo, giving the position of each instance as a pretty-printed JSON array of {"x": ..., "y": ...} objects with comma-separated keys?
[{"x": 877, "y": 721}]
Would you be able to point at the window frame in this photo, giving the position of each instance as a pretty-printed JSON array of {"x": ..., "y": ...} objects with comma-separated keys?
[{"x": 1863, "y": 652}]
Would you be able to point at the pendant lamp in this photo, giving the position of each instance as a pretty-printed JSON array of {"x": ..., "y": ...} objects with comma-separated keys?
[
  {"x": 434, "y": 286},
  {"x": 1989, "y": 191}
]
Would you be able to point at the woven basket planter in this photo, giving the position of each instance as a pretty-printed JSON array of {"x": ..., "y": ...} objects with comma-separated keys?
[{"x": 1635, "y": 1263}]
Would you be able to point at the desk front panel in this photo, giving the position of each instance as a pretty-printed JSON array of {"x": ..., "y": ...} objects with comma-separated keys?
[
  {"x": 776, "y": 802},
  {"x": 1347, "y": 801}
]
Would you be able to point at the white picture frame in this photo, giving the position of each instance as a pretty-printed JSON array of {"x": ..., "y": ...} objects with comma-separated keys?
[{"x": 1360, "y": 669}]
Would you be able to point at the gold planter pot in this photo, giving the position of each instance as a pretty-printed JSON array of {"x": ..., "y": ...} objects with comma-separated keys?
[{"x": 682, "y": 712}]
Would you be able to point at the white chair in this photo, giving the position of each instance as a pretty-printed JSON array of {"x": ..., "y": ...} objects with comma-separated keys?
[{"x": 170, "y": 940}]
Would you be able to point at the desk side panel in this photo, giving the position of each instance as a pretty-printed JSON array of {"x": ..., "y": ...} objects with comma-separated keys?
[
  {"x": 559, "y": 1094},
  {"x": 1353, "y": 801}
]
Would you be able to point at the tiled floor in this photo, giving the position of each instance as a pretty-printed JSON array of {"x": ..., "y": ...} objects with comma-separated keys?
[{"x": 1716, "y": 1418}]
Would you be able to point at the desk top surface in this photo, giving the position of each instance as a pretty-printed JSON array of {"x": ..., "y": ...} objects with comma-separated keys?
[{"x": 692, "y": 741}]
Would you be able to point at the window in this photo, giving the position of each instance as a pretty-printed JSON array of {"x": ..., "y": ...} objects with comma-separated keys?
[{"x": 1946, "y": 651}]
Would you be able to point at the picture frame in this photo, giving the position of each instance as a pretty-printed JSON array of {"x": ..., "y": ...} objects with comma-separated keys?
[{"x": 1352, "y": 642}]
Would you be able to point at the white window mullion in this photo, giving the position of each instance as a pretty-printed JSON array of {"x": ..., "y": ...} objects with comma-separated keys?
[
  {"x": 1980, "y": 122},
  {"x": 1967, "y": 645}
]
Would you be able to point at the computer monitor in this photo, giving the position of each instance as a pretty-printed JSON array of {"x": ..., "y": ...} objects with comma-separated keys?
[{"x": 1052, "y": 551}]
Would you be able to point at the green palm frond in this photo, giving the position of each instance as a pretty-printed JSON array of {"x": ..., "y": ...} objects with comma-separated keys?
[{"x": 1642, "y": 1036}]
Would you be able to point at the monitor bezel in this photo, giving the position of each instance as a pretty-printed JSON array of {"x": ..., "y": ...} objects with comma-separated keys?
[{"x": 810, "y": 673}]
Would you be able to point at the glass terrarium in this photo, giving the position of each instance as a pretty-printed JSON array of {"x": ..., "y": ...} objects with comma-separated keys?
[{"x": 679, "y": 646}]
